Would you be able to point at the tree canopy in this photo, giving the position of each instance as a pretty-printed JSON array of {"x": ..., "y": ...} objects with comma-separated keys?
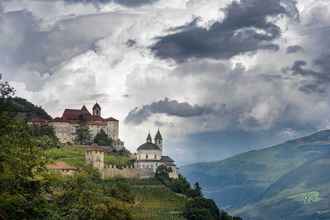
[{"x": 102, "y": 139}]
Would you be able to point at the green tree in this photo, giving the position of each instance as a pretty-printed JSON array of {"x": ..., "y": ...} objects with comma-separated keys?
[
  {"x": 5, "y": 89},
  {"x": 197, "y": 191},
  {"x": 45, "y": 136},
  {"x": 201, "y": 209},
  {"x": 162, "y": 174},
  {"x": 22, "y": 172},
  {"x": 102, "y": 139},
  {"x": 29, "y": 191},
  {"x": 83, "y": 134}
]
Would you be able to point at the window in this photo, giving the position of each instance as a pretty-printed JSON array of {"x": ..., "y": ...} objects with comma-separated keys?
[
  {"x": 146, "y": 156},
  {"x": 155, "y": 156}
]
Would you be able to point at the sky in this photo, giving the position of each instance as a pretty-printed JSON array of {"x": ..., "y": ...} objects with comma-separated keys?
[{"x": 217, "y": 77}]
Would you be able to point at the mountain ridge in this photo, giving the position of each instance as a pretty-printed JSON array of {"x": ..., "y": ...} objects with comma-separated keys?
[{"x": 241, "y": 183}]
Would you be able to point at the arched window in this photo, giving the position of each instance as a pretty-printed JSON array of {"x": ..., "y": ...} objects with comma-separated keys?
[
  {"x": 155, "y": 156},
  {"x": 146, "y": 156}
]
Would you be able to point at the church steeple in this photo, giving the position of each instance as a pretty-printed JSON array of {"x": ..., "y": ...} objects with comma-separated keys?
[
  {"x": 159, "y": 140},
  {"x": 149, "y": 139},
  {"x": 96, "y": 110}
]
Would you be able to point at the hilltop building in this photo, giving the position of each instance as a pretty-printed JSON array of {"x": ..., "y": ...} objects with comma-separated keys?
[
  {"x": 148, "y": 158},
  {"x": 150, "y": 155},
  {"x": 66, "y": 125}
]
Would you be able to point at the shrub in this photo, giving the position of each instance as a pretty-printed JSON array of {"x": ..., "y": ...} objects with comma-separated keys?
[
  {"x": 83, "y": 135},
  {"x": 102, "y": 139},
  {"x": 201, "y": 209}
]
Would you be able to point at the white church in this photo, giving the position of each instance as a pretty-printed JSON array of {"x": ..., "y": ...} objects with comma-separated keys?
[{"x": 150, "y": 156}]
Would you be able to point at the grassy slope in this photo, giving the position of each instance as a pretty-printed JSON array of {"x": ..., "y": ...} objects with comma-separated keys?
[
  {"x": 156, "y": 202},
  {"x": 240, "y": 181},
  {"x": 75, "y": 156},
  {"x": 153, "y": 200}
]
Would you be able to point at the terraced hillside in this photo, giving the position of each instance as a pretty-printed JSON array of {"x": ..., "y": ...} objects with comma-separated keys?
[{"x": 153, "y": 201}]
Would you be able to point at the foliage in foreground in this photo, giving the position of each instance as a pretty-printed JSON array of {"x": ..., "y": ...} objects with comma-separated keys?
[{"x": 29, "y": 191}]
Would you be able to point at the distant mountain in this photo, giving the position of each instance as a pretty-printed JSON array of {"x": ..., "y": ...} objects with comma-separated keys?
[
  {"x": 289, "y": 181},
  {"x": 22, "y": 108}
]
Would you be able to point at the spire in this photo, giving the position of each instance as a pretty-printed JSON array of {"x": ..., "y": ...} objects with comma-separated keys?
[
  {"x": 158, "y": 135},
  {"x": 84, "y": 108},
  {"x": 159, "y": 140},
  {"x": 149, "y": 140},
  {"x": 97, "y": 109},
  {"x": 96, "y": 106}
]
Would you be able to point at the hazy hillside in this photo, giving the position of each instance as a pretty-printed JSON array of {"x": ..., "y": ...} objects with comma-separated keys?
[
  {"x": 22, "y": 108},
  {"x": 290, "y": 178}
]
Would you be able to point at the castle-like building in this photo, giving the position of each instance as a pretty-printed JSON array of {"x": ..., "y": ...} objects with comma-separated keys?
[
  {"x": 66, "y": 125},
  {"x": 148, "y": 158}
]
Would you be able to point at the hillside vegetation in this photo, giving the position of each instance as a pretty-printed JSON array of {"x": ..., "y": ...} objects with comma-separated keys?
[
  {"x": 28, "y": 190},
  {"x": 23, "y": 109},
  {"x": 75, "y": 156},
  {"x": 289, "y": 180}
]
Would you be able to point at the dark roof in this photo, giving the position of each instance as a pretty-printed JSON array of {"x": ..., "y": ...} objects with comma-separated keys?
[
  {"x": 84, "y": 109},
  {"x": 149, "y": 139},
  {"x": 148, "y": 146},
  {"x": 97, "y": 106},
  {"x": 158, "y": 135},
  {"x": 166, "y": 159}
]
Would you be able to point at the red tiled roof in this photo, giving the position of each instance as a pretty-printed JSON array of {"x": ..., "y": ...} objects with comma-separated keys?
[
  {"x": 111, "y": 119},
  {"x": 39, "y": 120},
  {"x": 74, "y": 115},
  {"x": 60, "y": 165}
]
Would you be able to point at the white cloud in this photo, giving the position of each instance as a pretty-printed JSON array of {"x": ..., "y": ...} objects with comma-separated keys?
[{"x": 87, "y": 59}]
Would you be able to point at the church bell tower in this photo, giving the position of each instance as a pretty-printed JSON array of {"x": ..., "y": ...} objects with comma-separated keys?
[
  {"x": 96, "y": 110},
  {"x": 159, "y": 140}
]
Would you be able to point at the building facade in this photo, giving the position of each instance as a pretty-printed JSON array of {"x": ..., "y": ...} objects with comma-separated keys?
[
  {"x": 150, "y": 155},
  {"x": 148, "y": 158},
  {"x": 66, "y": 125}
]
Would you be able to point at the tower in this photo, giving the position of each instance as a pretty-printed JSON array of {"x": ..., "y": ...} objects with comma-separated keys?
[
  {"x": 159, "y": 140},
  {"x": 95, "y": 156},
  {"x": 149, "y": 139},
  {"x": 96, "y": 110}
]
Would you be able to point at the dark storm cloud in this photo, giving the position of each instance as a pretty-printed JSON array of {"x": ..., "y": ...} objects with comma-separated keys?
[
  {"x": 294, "y": 49},
  {"x": 168, "y": 107},
  {"x": 315, "y": 81},
  {"x": 25, "y": 46},
  {"x": 245, "y": 28},
  {"x": 128, "y": 3}
]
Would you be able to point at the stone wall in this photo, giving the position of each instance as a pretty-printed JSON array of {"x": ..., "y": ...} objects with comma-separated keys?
[
  {"x": 113, "y": 129},
  {"x": 111, "y": 171},
  {"x": 65, "y": 131}
]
